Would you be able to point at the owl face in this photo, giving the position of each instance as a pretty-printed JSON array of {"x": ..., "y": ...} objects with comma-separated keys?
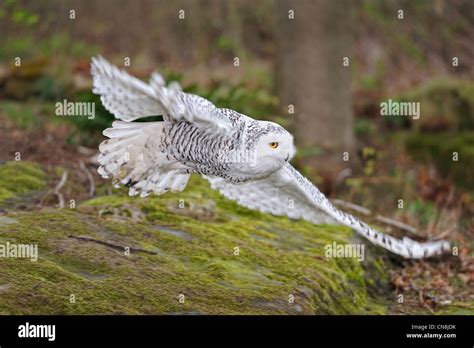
[{"x": 276, "y": 145}]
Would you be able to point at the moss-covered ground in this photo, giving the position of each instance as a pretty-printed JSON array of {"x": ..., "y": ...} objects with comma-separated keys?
[
  {"x": 223, "y": 258},
  {"x": 19, "y": 178},
  {"x": 193, "y": 252}
]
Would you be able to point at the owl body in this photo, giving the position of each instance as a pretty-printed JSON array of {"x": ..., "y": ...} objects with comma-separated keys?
[
  {"x": 232, "y": 155},
  {"x": 202, "y": 152}
]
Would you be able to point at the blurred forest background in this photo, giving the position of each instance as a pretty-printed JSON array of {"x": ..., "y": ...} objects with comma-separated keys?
[{"x": 289, "y": 71}]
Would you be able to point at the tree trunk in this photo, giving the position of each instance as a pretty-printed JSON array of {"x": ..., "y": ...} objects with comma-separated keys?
[{"x": 311, "y": 76}]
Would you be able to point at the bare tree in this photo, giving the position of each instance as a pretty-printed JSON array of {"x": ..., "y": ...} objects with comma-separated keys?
[{"x": 313, "y": 38}]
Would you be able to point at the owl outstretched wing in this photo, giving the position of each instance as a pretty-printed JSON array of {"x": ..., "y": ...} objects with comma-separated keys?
[
  {"x": 288, "y": 193},
  {"x": 129, "y": 98}
]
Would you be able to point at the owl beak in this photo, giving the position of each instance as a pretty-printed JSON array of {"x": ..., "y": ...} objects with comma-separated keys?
[{"x": 287, "y": 157}]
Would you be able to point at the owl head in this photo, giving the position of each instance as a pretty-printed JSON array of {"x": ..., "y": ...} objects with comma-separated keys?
[{"x": 274, "y": 145}]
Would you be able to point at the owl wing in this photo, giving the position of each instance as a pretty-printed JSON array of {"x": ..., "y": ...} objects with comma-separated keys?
[
  {"x": 131, "y": 155},
  {"x": 288, "y": 193},
  {"x": 129, "y": 98},
  {"x": 277, "y": 195}
]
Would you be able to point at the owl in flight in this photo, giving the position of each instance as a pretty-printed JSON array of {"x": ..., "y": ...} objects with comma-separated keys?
[{"x": 247, "y": 160}]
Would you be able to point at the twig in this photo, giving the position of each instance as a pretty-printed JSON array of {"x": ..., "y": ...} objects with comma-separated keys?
[
  {"x": 85, "y": 150},
  {"x": 89, "y": 177},
  {"x": 352, "y": 206},
  {"x": 447, "y": 232},
  {"x": 396, "y": 223},
  {"x": 380, "y": 218},
  {"x": 111, "y": 244},
  {"x": 58, "y": 187}
]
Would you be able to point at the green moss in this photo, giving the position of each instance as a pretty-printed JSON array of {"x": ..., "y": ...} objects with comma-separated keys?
[
  {"x": 444, "y": 104},
  {"x": 456, "y": 308},
  {"x": 20, "y": 178},
  {"x": 225, "y": 260}
]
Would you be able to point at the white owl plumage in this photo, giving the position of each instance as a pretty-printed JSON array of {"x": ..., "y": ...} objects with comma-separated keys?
[{"x": 246, "y": 160}]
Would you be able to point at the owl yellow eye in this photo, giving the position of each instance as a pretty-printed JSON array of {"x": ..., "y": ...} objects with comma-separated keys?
[{"x": 273, "y": 145}]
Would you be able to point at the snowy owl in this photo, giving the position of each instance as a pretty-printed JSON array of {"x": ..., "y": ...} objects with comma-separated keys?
[{"x": 247, "y": 160}]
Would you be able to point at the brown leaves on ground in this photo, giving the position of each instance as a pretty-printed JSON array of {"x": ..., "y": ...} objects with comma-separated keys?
[{"x": 432, "y": 284}]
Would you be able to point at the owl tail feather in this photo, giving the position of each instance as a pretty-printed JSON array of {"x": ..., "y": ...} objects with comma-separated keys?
[{"x": 126, "y": 158}]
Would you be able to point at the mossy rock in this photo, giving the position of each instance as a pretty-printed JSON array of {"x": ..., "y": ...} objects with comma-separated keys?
[
  {"x": 223, "y": 258},
  {"x": 20, "y": 178},
  {"x": 445, "y": 104}
]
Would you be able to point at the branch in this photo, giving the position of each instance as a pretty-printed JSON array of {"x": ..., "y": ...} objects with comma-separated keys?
[
  {"x": 89, "y": 177},
  {"x": 58, "y": 187},
  {"x": 352, "y": 206},
  {"x": 396, "y": 223},
  {"x": 380, "y": 218},
  {"x": 111, "y": 244}
]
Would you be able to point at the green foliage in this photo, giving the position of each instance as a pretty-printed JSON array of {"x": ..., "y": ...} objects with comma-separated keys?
[
  {"x": 369, "y": 156},
  {"x": 23, "y": 115},
  {"x": 88, "y": 130},
  {"x": 370, "y": 81},
  {"x": 364, "y": 127},
  {"x": 17, "y": 47},
  {"x": 26, "y": 45},
  {"x": 48, "y": 88},
  {"x": 24, "y": 17},
  {"x": 442, "y": 149},
  {"x": 259, "y": 103},
  {"x": 373, "y": 10},
  {"x": 424, "y": 210},
  {"x": 225, "y": 43},
  {"x": 445, "y": 104},
  {"x": 306, "y": 152},
  {"x": 12, "y": 10},
  {"x": 59, "y": 43},
  {"x": 103, "y": 119},
  {"x": 412, "y": 50}
]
